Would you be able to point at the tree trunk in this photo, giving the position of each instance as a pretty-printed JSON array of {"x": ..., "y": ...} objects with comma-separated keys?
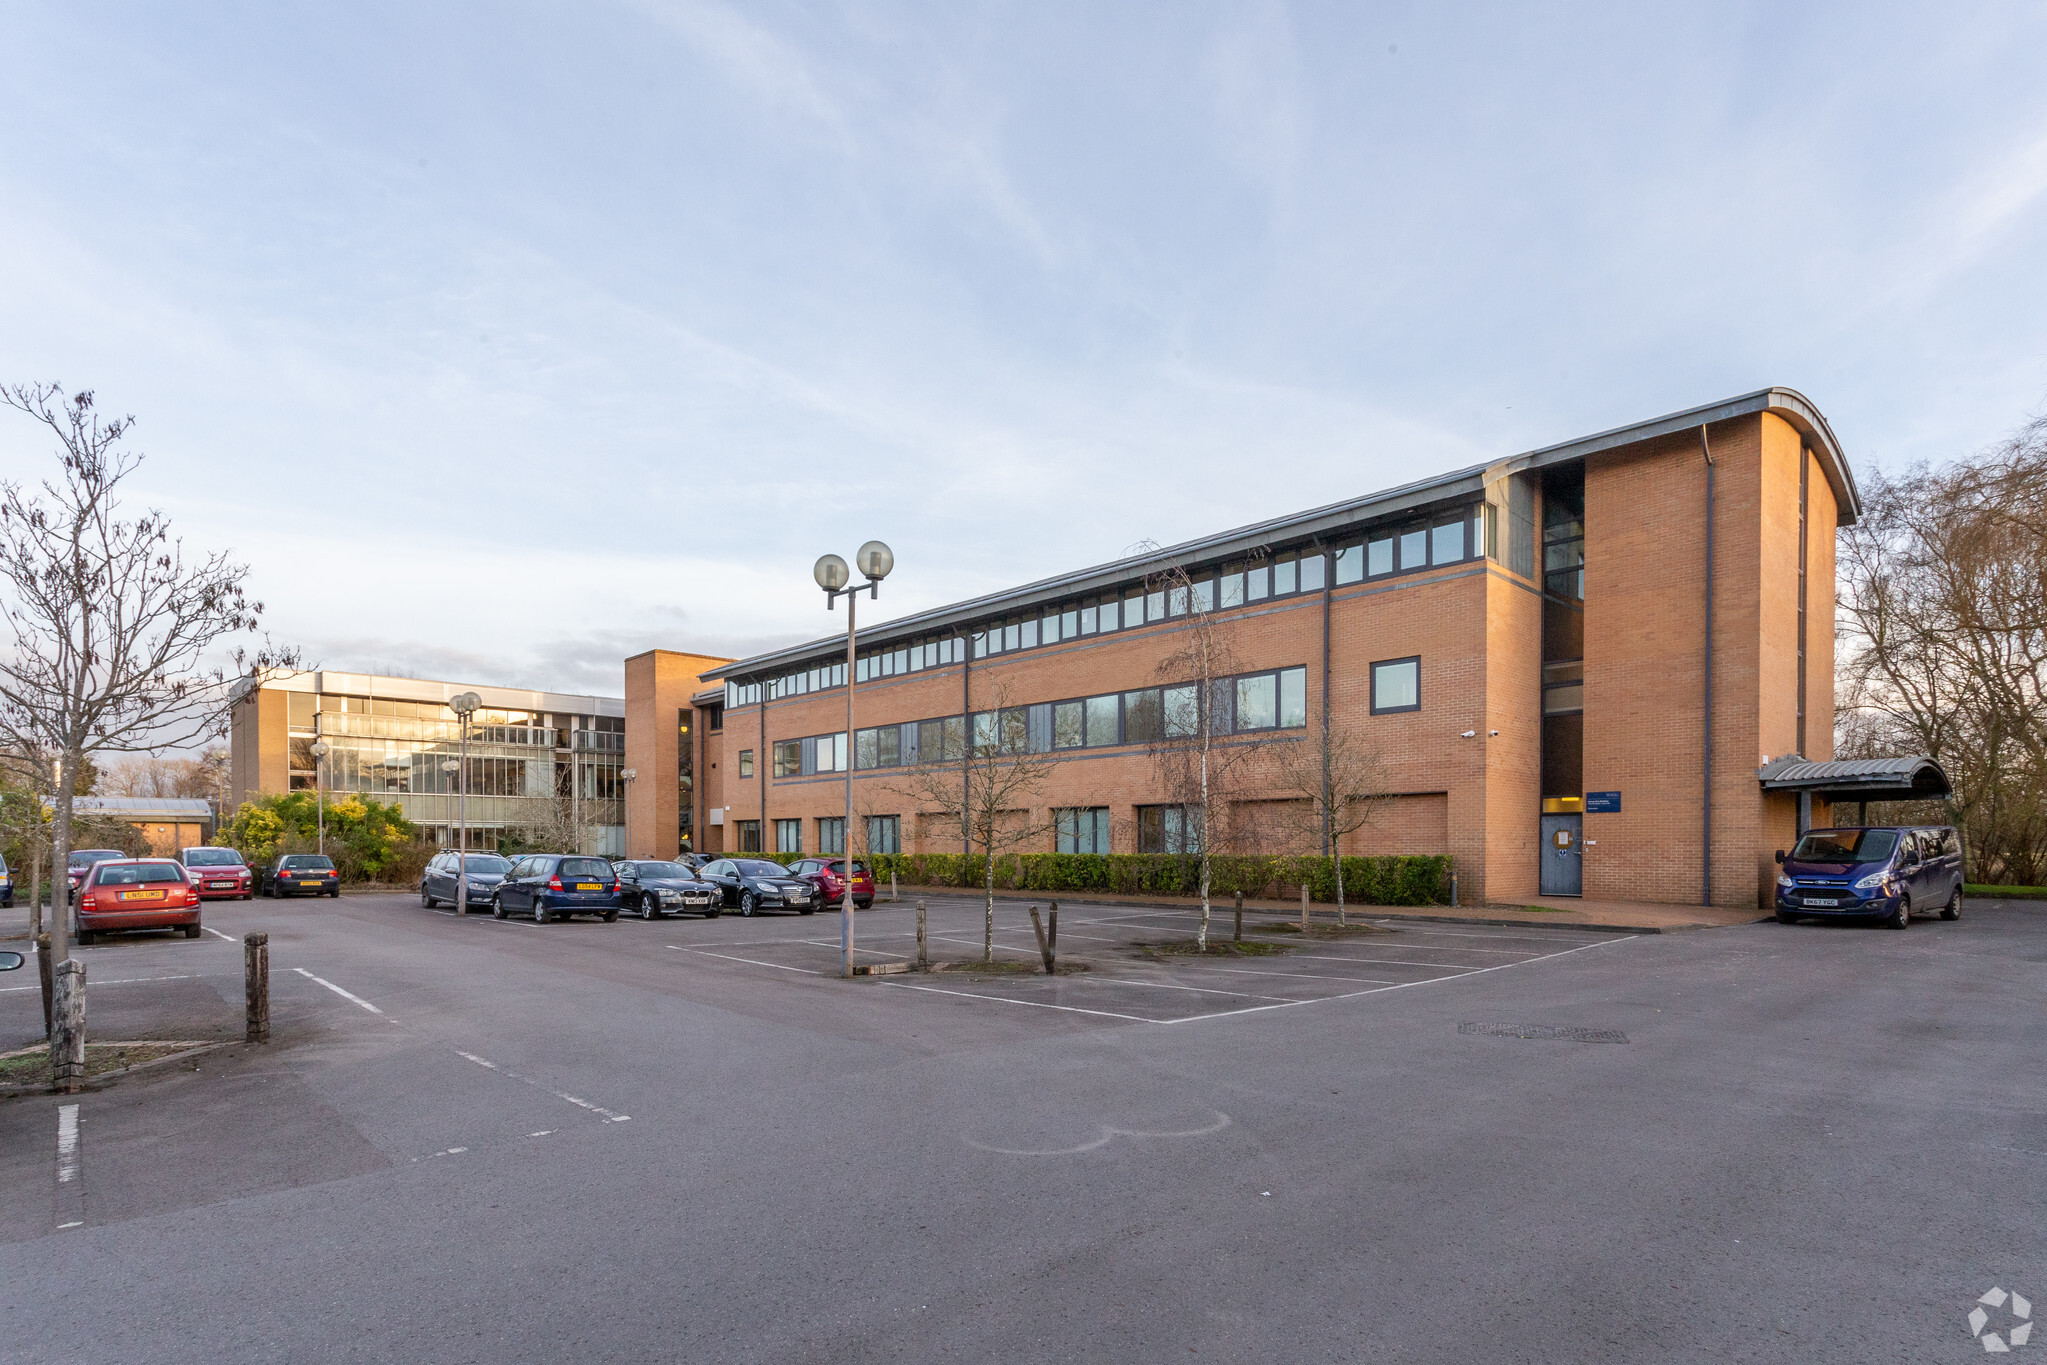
[
  {"x": 1338, "y": 860},
  {"x": 60, "y": 856},
  {"x": 988, "y": 909},
  {"x": 1201, "y": 938}
]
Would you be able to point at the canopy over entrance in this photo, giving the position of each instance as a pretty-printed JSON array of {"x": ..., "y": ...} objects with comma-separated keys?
[{"x": 1915, "y": 778}]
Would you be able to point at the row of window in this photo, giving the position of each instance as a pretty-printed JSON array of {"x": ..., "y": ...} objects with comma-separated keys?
[
  {"x": 1446, "y": 539},
  {"x": 1076, "y": 829}
]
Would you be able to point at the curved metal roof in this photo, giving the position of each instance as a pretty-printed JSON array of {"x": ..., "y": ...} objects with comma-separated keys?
[{"x": 1909, "y": 777}]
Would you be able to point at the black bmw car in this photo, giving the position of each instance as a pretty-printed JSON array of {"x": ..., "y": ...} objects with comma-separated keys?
[
  {"x": 654, "y": 887},
  {"x": 755, "y": 884}
]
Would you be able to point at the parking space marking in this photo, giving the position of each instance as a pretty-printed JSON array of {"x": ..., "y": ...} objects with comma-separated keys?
[
  {"x": 345, "y": 995},
  {"x": 124, "y": 981},
  {"x": 1388, "y": 962},
  {"x": 217, "y": 934},
  {"x": 748, "y": 960},
  {"x": 67, "y": 1143},
  {"x": 607, "y": 1115},
  {"x": 1169, "y": 986},
  {"x": 1034, "y": 1004},
  {"x": 1310, "y": 976},
  {"x": 1410, "y": 928}
]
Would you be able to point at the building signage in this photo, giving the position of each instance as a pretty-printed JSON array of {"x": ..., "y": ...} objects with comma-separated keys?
[{"x": 1602, "y": 803}]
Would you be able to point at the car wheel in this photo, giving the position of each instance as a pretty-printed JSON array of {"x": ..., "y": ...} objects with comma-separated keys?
[
  {"x": 611, "y": 916},
  {"x": 540, "y": 915},
  {"x": 335, "y": 894},
  {"x": 748, "y": 903},
  {"x": 83, "y": 938},
  {"x": 1786, "y": 917},
  {"x": 806, "y": 909},
  {"x": 497, "y": 907},
  {"x": 191, "y": 931},
  {"x": 713, "y": 912},
  {"x": 1953, "y": 908},
  {"x": 1901, "y": 918},
  {"x": 648, "y": 910},
  {"x": 426, "y": 900}
]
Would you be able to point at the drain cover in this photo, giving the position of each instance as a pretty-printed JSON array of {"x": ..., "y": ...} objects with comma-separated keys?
[{"x": 1550, "y": 1031}]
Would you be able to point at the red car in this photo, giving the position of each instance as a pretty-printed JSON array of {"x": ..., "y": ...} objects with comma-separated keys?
[
  {"x": 218, "y": 873},
  {"x": 828, "y": 875},
  {"x": 137, "y": 893}
]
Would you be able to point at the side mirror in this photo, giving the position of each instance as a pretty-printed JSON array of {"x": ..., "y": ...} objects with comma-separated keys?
[
  {"x": 1780, "y": 857},
  {"x": 10, "y": 962}
]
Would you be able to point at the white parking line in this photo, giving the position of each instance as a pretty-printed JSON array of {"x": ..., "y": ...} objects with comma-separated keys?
[
  {"x": 1388, "y": 962},
  {"x": 1307, "y": 976},
  {"x": 1034, "y": 1004},
  {"x": 67, "y": 1143},
  {"x": 754, "y": 962},
  {"x": 120, "y": 981},
  {"x": 217, "y": 934},
  {"x": 607, "y": 1115},
  {"x": 1166, "y": 986},
  {"x": 337, "y": 990}
]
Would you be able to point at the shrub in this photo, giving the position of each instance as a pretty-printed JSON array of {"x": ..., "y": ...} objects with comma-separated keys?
[{"x": 1402, "y": 879}]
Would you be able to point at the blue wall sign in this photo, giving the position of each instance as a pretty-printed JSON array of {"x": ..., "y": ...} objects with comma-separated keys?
[{"x": 1602, "y": 803}]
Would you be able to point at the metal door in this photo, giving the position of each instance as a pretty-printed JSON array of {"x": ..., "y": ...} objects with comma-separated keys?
[{"x": 1563, "y": 868}]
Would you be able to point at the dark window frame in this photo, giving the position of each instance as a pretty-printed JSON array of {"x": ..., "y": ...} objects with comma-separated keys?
[{"x": 1372, "y": 678}]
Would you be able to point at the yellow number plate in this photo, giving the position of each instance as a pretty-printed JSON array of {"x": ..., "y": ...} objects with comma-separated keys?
[
  {"x": 589, "y": 886},
  {"x": 142, "y": 895},
  {"x": 308, "y": 883}
]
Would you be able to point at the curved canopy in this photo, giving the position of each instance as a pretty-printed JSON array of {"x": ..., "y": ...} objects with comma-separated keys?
[{"x": 1911, "y": 778}]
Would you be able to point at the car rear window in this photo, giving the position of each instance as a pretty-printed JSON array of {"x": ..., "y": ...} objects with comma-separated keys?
[
  {"x": 86, "y": 857},
  {"x": 309, "y": 862},
  {"x": 1846, "y": 846},
  {"x": 134, "y": 874},
  {"x": 212, "y": 857},
  {"x": 838, "y": 865},
  {"x": 488, "y": 862},
  {"x": 585, "y": 867}
]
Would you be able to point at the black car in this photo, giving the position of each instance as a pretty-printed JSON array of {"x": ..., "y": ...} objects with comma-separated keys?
[
  {"x": 555, "y": 886},
  {"x": 652, "y": 887},
  {"x": 442, "y": 880},
  {"x": 302, "y": 874},
  {"x": 754, "y": 884}
]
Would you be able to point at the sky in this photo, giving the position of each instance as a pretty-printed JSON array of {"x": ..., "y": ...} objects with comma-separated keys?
[{"x": 503, "y": 341}]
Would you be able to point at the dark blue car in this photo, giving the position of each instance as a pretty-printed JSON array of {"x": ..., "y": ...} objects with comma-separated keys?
[
  {"x": 555, "y": 886},
  {"x": 1886, "y": 874}
]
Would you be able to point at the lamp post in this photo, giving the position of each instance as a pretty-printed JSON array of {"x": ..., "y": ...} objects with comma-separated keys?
[
  {"x": 874, "y": 560},
  {"x": 463, "y": 704},
  {"x": 629, "y": 774},
  {"x": 320, "y": 751}
]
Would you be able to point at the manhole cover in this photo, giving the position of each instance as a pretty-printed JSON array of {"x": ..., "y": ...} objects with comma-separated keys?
[{"x": 1550, "y": 1031}]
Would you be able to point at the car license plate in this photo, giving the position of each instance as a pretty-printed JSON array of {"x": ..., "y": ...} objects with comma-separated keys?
[
  {"x": 308, "y": 883},
  {"x": 588, "y": 886},
  {"x": 1816, "y": 900},
  {"x": 142, "y": 895},
  {"x": 220, "y": 886},
  {"x": 798, "y": 897}
]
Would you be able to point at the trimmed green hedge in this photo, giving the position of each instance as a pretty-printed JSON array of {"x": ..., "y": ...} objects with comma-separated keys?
[
  {"x": 2007, "y": 893},
  {"x": 1395, "y": 880}
]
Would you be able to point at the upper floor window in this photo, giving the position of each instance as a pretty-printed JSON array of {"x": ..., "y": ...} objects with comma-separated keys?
[{"x": 1397, "y": 685}]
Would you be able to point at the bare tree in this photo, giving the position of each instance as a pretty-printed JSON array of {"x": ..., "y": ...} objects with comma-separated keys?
[
  {"x": 1944, "y": 595},
  {"x": 163, "y": 777},
  {"x": 1332, "y": 783},
  {"x": 981, "y": 782},
  {"x": 115, "y": 630},
  {"x": 1188, "y": 729}
]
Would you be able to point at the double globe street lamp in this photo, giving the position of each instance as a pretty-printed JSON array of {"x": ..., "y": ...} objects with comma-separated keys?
[
  {"x": 874, "y": 560},
  {"x": 321, "y": 748},
  {"x": 463, "y": 704}
]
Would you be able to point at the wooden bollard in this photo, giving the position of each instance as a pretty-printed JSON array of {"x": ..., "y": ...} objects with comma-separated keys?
[
  {"x": 1044, "y": 948},
  {"x": 1052, "y": 929},
  {"x": 923, "y": 950},
  {"x": 1304, "y": 907},
  {"x": 1238, "y": 936},
  {"x": 67, "y": 1034},
  {"x": 43, "y": 975},
  {"x": 256, "y": 984},
  {"x": 893, "y": 896}
]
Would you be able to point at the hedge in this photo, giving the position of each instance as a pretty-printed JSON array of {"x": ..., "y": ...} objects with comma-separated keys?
[{"x": 1392, "y": 880}]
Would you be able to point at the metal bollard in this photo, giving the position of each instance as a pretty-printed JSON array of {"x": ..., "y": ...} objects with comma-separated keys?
[
  {"x": 1453, "y": 889},
  {"x": 67, "y": 1038},
  {"x": 1238, "y": 936},
  {"x": 923, "y": 954},
  {"x": 893, "y": 896},
  {"x": 256, "y": 984}
]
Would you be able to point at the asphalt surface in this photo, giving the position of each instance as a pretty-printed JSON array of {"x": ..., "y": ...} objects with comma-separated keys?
[{"x": 685, "y": 1140}]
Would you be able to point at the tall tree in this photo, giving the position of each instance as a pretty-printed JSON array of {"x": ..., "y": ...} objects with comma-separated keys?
[
  {"x": 1944, "y": 641},
  {"x": 981, "y": 778},
  {"x": 117, "y": 634}
]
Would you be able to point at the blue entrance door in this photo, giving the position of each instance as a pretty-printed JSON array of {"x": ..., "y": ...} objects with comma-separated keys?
[{"x": 1563, "y": 866}]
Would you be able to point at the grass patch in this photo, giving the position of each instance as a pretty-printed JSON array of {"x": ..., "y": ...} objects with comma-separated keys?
[
  {"x": 2006, "y": 893},
  {"x": 1541, "y": 909},
  {"x": 1004, "y": 966},
  {"x": 1217, "y": 947},
  {"x": 1326, "y": 930},
  {"x": 31, "y": 1065}
]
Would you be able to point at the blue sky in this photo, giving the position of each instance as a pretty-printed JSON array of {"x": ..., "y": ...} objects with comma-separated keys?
[{"x": 503, "y": 341}]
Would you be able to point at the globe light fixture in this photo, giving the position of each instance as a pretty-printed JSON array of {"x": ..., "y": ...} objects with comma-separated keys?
[
  {"x": 830, "y": 572},
  {"x": 875, "y": 560}
]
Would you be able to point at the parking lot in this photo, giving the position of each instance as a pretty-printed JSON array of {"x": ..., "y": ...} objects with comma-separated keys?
[{"x": 688, "y": 1139}]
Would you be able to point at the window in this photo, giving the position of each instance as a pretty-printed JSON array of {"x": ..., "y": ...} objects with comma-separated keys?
[
  {"x": 1293, "y": 698},
  {"x": 1068, "y": 725},
  {"x": 940, "y": 741},
  {"x": 1350, "y": 564},
  {"x": 714, "y": 717},
  {"x": 1168, "y": 829},
  {"x": 1133, "y": 608},
  {"x": 1204, "y": 594},
  {"x": 1283, "y": 576},
  {"x": 1049, "y": 627},
  {"x": 1083, "y": 829},
  {"x": 1312, "y": 568},
  {"x": 1446, "y": 542},
  {"x": 788, "y": 836},
  {"x": 1180, "y": 711},
  {"x": 1101, "y": 720},
  {"x": 1396, "y": 685},
  {"x": 788, "y": 757},
  {"x": 749, "y": 836},
  {"x": 1379, "y": 556},
  {"x": 746, "y": 763},
  {"x": 1414, "y": 548},
  {"x": 1258, "y": 702},
  {"x": 1232, "y": 588},
  {"x": 1089, "y": 617},
  {"x": 1256, "y": 588},
  {"x": 1563, "y": 687},
  {"x": 1141, "y": 717},
  {"x": 884, "y": 834},
  {"x": 831, "y": 834}
]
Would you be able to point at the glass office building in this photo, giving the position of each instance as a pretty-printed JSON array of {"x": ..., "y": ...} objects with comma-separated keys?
[{"x": 543, "y": 767}]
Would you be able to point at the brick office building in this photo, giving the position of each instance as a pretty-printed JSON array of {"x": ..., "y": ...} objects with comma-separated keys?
[{"x": 1543, "y": 651}]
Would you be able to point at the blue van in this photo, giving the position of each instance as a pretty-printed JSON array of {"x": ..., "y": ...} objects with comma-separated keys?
[{"x": 1887, "y": 874}]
